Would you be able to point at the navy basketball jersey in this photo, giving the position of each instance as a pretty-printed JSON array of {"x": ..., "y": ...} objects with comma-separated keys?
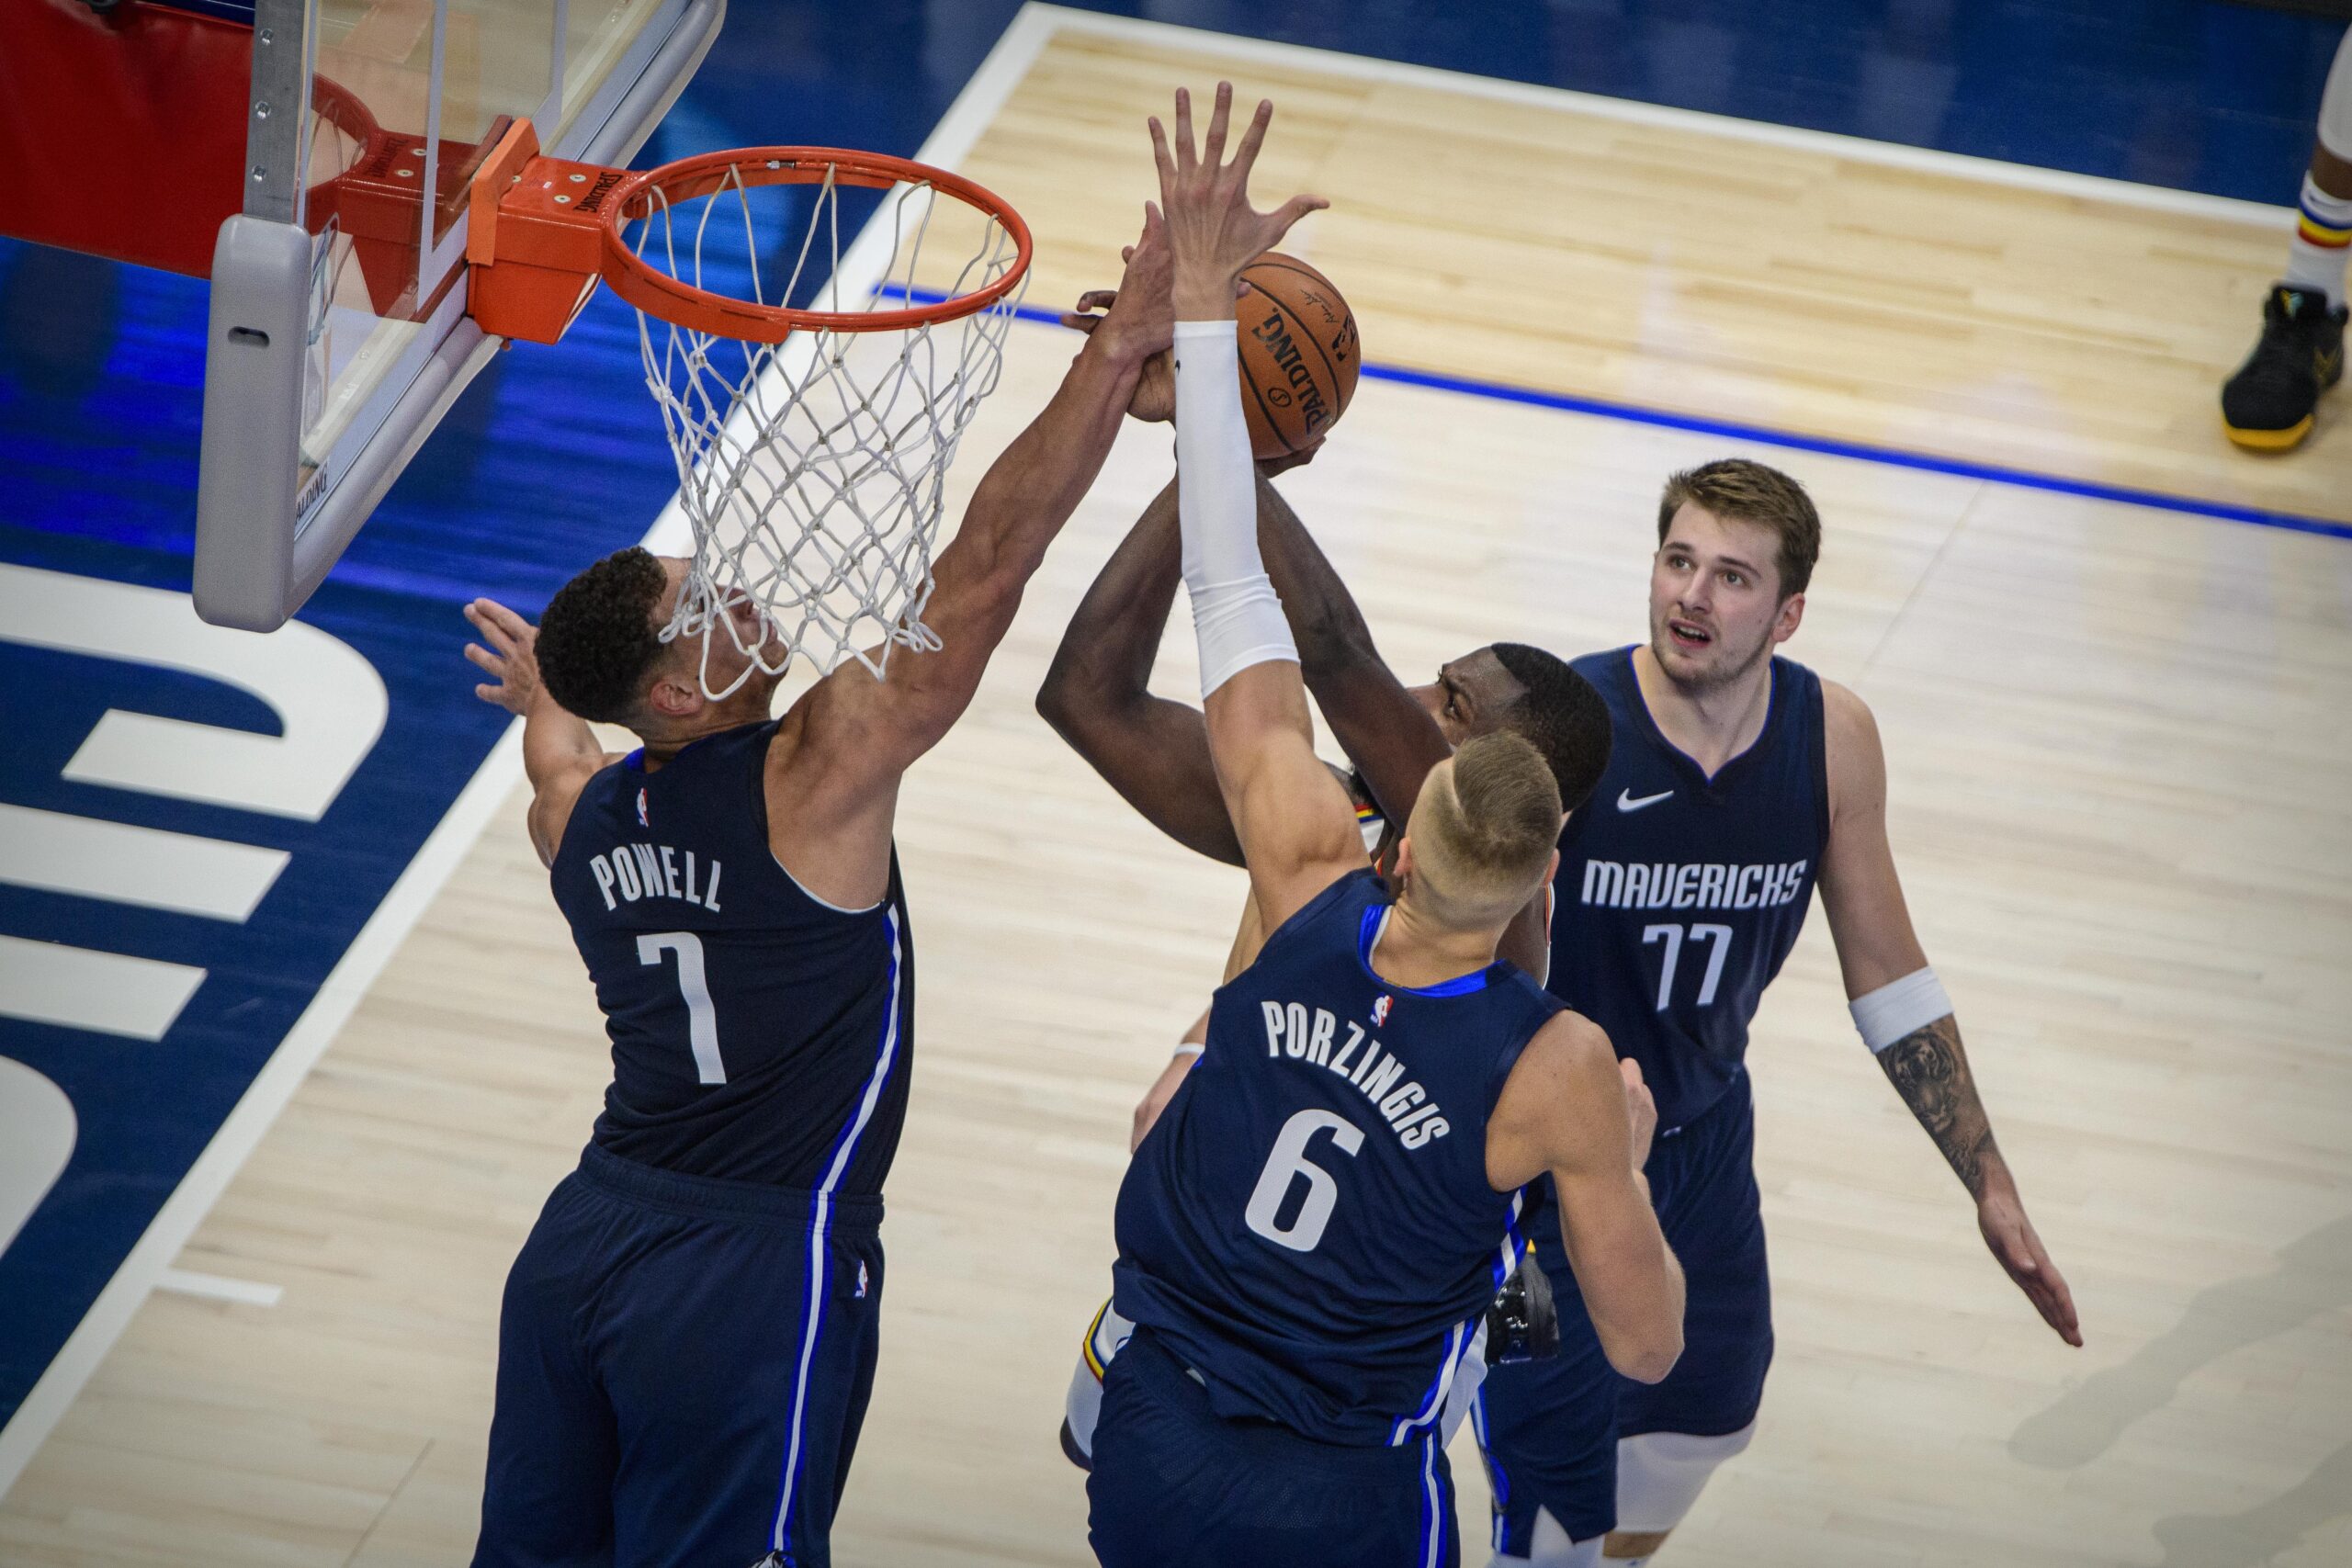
[
  {"x": 759, "y": 1034},
  {"x": 1679, "y": 896},
  {"x": 1309, "y": 1225}
]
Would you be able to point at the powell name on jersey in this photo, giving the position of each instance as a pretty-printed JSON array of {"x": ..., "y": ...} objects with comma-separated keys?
[{"x": 758, "y": 1032}]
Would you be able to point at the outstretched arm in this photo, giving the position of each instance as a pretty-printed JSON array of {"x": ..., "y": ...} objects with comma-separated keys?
[
  {"x": 1296, "y": 829},
  {"x": 1571, "y": 1109},
  {"x": 1384, "y": 730},
  {"x": 1154, "y": 752},
  {"x": 832, "y": 775},
  {"x": 560, "y": 754},
  {"x": 1881, "y": 958},
  {"x": 1386, "y": 733}
]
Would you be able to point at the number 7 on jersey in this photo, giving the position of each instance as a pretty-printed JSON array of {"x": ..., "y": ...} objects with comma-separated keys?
[
  {"x": 701, "y": 1018},
  {"x": 1718, "y": 940}
]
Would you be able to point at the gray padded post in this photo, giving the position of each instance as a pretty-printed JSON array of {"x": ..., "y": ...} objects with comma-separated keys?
[{"x": 252, "y": 422}]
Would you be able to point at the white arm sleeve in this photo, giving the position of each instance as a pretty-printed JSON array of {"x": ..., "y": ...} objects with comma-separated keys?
[{"x": 1236, "y": 615}]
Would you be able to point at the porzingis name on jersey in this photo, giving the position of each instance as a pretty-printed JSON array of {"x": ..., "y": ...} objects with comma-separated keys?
[
  {"x": 632, "y": 872},
  {"x": 1614, "y": 884},
  {"x": 1311, "y": 1035}
]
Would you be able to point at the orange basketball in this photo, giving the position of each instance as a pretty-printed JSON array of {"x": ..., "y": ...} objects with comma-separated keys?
[{"x": 1299, "y": 354}]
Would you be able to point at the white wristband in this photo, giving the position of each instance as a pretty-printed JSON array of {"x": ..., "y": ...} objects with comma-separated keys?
[
  {"x": 1899, "y": 1007},
  {"x": 1190, "y": 1049}
]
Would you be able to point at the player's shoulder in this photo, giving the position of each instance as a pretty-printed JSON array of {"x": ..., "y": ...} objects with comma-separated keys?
[
  {"x": 1603, "y": 662},
  {"x": 1850, "y": 729},
  {"x": 1565, "y": 1049},
  {"x": 1567, "y": 1058},
  {"x": 1528, "y": 990},
  {"x": 815, "y": 726},
  {"x": 1343, "y": 898},
  {"x": 1843, "y": 709},
  {"x": 1572, "y": 1038}
]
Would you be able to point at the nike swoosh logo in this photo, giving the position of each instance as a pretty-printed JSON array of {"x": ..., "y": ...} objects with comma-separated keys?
[{"x": 1625, "y": 801}]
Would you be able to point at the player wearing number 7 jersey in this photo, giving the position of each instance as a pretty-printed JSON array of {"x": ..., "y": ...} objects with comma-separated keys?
[
  {"x": 688, "y": 1337},
  {"x": 1310, "y": 1232}
]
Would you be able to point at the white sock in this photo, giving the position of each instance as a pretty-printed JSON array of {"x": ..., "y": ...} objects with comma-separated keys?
[
  {"x": 1551, "y": 1548},
  {"x": 2323, "y": 243}
]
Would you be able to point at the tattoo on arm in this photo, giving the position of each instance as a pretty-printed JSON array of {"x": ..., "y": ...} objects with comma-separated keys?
[{"x": 1930, "y": 1070}]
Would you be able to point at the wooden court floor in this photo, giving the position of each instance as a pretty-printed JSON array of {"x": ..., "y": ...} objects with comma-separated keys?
[{"x": 2117, "y": 738}]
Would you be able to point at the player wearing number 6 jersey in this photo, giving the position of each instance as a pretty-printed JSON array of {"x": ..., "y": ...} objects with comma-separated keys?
[
  {"x": 1309, "y": 1234},
  {"x": 1738, "y": 780},
  {"x": 688, "y": 1337}
]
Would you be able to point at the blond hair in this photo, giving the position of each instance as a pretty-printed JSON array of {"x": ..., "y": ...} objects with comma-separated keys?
[
  {"x": 1483, "y": 830},
  {"x": 1741, "y": 491}
]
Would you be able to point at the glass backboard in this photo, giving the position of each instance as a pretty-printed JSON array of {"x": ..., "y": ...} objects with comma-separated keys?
[{"x": 339, "y": 334}]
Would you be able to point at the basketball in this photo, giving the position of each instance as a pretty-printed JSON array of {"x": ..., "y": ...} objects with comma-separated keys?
[{"x": 1299, "y": 354}]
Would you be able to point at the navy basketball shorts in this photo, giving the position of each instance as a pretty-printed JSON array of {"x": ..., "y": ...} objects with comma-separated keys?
[
  {"x": 683, "y": 1367},
  {"x": 1549, "y": 1427},
  {"x": 1175, "y": 1485}
]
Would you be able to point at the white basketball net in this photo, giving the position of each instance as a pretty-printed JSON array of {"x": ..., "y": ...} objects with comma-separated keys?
[{"x": 812, "y": 471}]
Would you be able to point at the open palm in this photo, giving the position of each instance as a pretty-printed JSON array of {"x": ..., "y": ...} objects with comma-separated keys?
[{"x": 1213, "y": 232}]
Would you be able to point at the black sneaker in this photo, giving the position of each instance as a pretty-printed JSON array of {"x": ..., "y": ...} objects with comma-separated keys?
[{"x": 2266, "y": 406}]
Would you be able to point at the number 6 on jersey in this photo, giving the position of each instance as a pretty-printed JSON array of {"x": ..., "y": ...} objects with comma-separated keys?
[{"x": 1287, "y": 1162}]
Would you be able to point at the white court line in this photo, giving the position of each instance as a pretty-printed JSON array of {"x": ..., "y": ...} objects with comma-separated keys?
[
  {"x": 82, "y": 988},
  {"x": 216, "y": 1288},
  {"x": 125, "y": 864},
  {"x": 949, "y": 143},
  {"x": 259, "y": 1107},
  {"x": 1824, "y": 143}
]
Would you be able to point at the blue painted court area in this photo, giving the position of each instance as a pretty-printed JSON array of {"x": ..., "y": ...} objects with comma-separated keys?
[{"x": 556, "y": 455}]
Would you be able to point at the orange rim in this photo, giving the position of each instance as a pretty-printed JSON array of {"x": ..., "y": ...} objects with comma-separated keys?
[{"x": 657, "y": 293}]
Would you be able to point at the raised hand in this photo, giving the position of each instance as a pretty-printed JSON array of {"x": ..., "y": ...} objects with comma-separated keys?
[
  {"x": 1213, "y": 232},
  {"x": 509, "y": 661},
  {"x": 1154, "y": 402},
  {"x": 1138, "y": 317}
]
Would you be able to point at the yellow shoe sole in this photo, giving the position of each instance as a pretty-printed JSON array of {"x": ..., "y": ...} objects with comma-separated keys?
[{"x": 2270, "y": 440}]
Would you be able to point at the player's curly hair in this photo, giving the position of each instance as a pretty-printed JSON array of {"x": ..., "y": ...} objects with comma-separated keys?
[
  {"x": 1562, "y": 716},
  {"x": 597, "y": 640}
]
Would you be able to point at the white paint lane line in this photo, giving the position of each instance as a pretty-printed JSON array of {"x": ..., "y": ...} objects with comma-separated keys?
[
  {"x": 60, "y": 852},
  {"x": 217, "y": 1288},
  {"x": 109, "y": 993}
]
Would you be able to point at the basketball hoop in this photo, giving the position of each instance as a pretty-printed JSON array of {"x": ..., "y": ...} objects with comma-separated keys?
[{"x": 811, "y": 440}]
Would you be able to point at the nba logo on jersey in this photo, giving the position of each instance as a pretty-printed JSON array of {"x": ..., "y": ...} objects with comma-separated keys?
[
  {"x": 642, "y": 819},
  {"x": 1380, "y": 1010},
  {"x": 861, "y": 1279}
]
